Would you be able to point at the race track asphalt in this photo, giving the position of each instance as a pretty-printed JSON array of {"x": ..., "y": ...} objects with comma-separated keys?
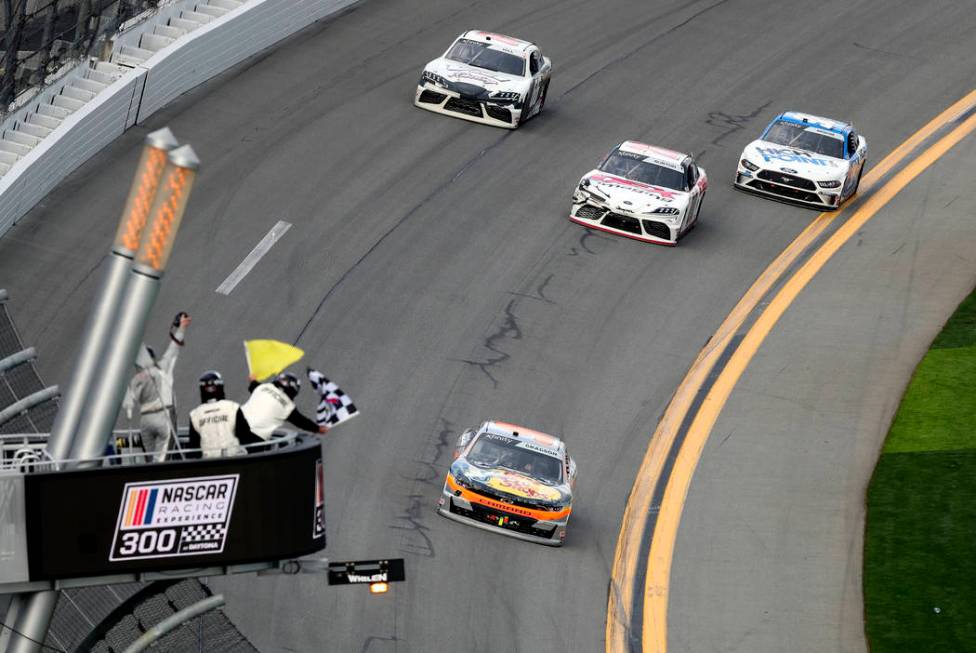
[
  {"x": 432, "y": 272},
  {"x": 775, "y": 516}
]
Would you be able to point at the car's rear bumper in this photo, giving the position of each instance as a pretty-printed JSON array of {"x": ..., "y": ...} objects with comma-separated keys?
[{"x": 449, "y": 103}]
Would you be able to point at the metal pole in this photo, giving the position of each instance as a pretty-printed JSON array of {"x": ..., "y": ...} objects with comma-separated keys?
[
  {"x": 18, "y": 358},
  {"x": 33, "y": 620},
  {"x": 101, "y": 321},
  {"x": 174, "y": 620},
  {"x": 35, "y": 610},
  {"x": 28, "y": 402},
  {"x": 10, "y": 620},
  {"x": 102, "y": 407}
]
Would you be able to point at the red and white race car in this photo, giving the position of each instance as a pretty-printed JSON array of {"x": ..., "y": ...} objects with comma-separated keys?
[{"x": 643, "y": 192}]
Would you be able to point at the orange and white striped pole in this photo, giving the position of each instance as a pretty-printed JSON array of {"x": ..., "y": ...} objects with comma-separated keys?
[
  {"x": 117, "y": 266},
  {"x": 148, "y": 266}
]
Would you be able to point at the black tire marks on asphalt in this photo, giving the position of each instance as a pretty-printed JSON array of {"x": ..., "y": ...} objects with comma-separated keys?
[
  {"x": 508, "y": 328},
  {"x": 397, "y": 224},
  {"x": 410, "y": 522}
]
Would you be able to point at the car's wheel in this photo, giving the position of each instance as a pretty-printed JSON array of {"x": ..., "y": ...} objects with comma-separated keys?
[
  {"x": 694, "y": 222},
  {"x": 542, "y": 100},
  {"x": 542, "y": 103},
  {"x": 858, "y": 182}
]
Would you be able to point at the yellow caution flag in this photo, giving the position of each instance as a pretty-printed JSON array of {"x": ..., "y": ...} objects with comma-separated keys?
[{"x": 265, "y": 358}]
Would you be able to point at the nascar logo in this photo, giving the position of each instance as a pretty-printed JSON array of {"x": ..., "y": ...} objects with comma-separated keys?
[
  {"x": 140, "y": 507},
  {"x": 174, "y": 518}
]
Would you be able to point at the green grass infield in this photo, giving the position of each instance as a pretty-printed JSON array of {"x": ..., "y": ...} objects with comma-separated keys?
[{"x": 920, "y": 543}]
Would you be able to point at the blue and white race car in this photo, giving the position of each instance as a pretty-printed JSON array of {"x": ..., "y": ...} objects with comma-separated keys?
[{"x": 804, "y": 159}]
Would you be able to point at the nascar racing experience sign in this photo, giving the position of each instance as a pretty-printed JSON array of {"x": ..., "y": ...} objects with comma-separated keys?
[
  {"x": 174, "y": 518},
  {"x": 178, "y": 515}
]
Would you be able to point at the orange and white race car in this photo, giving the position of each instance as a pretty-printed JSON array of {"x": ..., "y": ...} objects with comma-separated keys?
[{"x": 512, "y": 480}]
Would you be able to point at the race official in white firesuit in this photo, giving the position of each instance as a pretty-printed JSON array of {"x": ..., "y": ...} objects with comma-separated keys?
[
  {"x": 217, "y": 425},
  {"x": 151, "y": 391},
  {"x": 272, "y": 404}
]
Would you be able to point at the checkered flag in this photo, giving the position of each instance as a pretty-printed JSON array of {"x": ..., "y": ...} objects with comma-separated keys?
[{"x": 335, "y": 406}]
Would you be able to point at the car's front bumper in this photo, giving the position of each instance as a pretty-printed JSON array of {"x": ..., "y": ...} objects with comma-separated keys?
[
  {"x": 450, "y": 103},
  {"x": 645, "y": 228},
  {"x": 460, "y": 509},
  {"x": 788, "y": 188}
]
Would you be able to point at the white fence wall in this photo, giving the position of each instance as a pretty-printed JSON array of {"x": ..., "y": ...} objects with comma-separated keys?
[
  {"x": 177, "y": 68},
  {"x": 82, "y": 134},
  {"x": 226, "y": 41}
]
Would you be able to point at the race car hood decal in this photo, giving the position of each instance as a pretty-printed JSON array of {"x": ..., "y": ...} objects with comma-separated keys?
[
  {"x": 794, "y": 161},
  {"x": 513, "y": 483},
  {"x": 520, "y": 485},
  {"x": 491, "y": 81},
  {"x": 633, "y": 196}
]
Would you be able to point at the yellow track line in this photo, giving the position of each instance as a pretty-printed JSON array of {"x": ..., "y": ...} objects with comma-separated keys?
[
  {"x": 666, "y": 529},
  {"x": 627, "y": 552}
]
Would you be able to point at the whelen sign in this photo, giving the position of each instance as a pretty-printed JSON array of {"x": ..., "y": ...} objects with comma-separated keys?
[
  {"x": 179, "y": 515},
  {"x": 356, "y": 572}
]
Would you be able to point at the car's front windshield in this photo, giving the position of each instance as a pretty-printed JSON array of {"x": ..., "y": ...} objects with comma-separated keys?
[
  {"x": 636, "y": 168},
  {"x": 475, "y": 53},
  {"x": 804, "y": 137},
  {"x": 493, "y": 451}
]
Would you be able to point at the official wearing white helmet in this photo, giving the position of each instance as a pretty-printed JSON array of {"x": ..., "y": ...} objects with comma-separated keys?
[
  {"x": 217, "y": 425},
  {"x": 150, "y": 392}
]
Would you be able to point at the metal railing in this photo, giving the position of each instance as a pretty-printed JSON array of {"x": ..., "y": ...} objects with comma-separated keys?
[
  {"x": 26, "y": 452},
  {"x": 26, "y": 405}
]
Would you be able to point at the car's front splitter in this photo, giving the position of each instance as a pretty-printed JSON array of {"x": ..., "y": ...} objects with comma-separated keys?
[
  {"x": 626, "y": 234},
  {"x": 495, "y": 529},
  {"x": 786, "y": 200},
  {"x": 483, "y": 119}
]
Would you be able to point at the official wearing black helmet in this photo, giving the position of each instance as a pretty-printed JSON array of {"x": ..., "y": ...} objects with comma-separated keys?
[
  {"x": 217, "y": 425},
  {"x": 211, "y": 386},
  {"x": 289, "y": 383},
  {"x": 272, "y": 404}
]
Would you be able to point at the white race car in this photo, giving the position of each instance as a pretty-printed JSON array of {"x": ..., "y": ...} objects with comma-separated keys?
[
  {"x": 488, "y": 78},
  {"x": 643, "y": 192},
  {"x": 804, "y": 159}
]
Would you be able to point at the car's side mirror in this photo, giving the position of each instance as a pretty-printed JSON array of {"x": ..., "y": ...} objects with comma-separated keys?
[{"x": 571, "y": 471}]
